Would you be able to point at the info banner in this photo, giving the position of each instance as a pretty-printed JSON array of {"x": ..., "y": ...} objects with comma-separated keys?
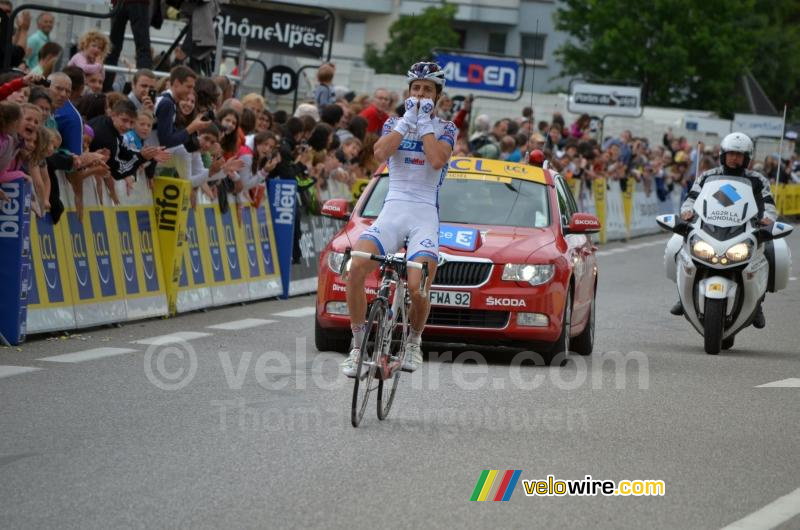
[
  {"x": 171, "y": 204},
  {"x": 15, "y": 258},
  {"x": 599, "y": 190},
  {"x": 283, "y": 208}
]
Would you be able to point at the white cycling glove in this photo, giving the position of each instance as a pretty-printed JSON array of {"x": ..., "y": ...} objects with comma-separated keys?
[
  {"x": 409, "y": 119},
  {"x": 424, "y": 120}
]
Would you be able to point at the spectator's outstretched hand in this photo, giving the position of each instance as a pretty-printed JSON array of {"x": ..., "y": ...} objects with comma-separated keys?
[
  {"x": 157, "y": 153},
  {"x": 198, "y": 124},
  {"x": 32, "y": 78},
  {"x": 233, "y": 165}
]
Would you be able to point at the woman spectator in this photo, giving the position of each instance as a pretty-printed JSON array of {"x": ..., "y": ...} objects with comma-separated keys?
[{"x": 580, "y": 127}]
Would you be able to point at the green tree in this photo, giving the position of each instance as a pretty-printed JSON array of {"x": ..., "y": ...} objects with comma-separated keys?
[
  {"x": 411, "y": 39},
  {"x": 778, "y": 51},
  {"x": 683, "y": 52}
]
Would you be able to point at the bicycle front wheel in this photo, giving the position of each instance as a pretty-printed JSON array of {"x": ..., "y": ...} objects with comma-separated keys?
[
  {"x": 395, "y": 351},
  {"x": 368, "y": 362}
]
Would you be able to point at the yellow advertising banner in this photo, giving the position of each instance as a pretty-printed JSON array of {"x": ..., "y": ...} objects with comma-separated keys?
[
  {"x": 171, "y": 204},
  {"x": 599, "y": 192},
  {"x": 627, "y": 204}
]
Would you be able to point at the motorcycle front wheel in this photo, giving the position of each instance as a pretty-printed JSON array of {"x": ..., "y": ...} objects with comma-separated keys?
[{"x": 714, "y": 325}]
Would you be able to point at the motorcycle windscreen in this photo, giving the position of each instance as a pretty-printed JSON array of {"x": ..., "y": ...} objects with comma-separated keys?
[{"x": 726, "y": 202}]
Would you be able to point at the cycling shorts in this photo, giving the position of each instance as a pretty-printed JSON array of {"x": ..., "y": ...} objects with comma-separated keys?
[{"x": 399, "y": 220}]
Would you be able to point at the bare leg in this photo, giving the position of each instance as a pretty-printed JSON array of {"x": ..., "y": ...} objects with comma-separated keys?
[
  {"x": 356, "y": 295},
  {"x": 420, "y": 304}
]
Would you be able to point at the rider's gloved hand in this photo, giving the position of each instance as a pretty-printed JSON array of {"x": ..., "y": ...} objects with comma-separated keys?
[
  {"x": 687, "y": 215},
  {"x": 424, "y": 120},
  {"x": 409, "y": 119}
]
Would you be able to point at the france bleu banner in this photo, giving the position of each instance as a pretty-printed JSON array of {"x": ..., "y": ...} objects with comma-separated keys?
[
  {"x": 479, "y": 73},
  {"x": 283, "y": 206},
  {"x": 15, "y": 259}
]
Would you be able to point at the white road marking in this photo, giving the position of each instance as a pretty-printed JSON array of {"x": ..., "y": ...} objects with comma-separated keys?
[
  {"x": 177, "y": 336},
  {"x": 241, "y": 324},
  {"x": 792, "y": 382},
  {"x": 793, "y": 278},
  {"x": 8, "y": 371},
  {"x": 771, "y": 515},
  {"x": 299, "y": 312},
  {"x": 87, "y": 355}
]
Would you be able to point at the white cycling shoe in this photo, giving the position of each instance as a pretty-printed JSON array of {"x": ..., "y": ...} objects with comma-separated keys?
[
  {"x": 413, "y": 357},
  {"x": 350, "y": 365}
]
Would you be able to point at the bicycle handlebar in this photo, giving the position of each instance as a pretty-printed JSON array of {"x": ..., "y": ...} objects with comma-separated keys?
[{"x": 367, "y": 255}]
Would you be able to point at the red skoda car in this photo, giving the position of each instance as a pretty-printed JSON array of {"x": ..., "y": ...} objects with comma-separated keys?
[{"x": 517, "y": 266}]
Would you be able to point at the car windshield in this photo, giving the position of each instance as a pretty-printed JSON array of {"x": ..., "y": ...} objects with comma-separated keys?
[{"x": 485, "y": 200}]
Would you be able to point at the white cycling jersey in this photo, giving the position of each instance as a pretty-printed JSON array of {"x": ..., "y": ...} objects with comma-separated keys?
[{"x": 411, "y": 176}]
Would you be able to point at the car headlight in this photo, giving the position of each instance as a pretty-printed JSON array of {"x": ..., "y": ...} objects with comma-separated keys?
[
  {"x": 703, "y": 250},
  {"x": 335, "y": 261},
  {"x": 533, "y": 274},
  {"x": 738, "y": 252}
]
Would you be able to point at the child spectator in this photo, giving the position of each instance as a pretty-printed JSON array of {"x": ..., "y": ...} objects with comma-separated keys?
[
  {"x": 92, "y": 50},
  {"x": 324, "y": 93}
]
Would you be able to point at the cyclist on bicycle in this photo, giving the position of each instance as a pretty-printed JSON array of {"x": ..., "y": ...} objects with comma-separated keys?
[{"x": 418, "y": 147}]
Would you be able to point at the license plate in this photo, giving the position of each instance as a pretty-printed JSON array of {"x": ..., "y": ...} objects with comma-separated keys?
[{"x": 451, "y": 298}]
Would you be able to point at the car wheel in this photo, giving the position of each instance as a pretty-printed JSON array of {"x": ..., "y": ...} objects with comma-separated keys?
[
  {"x": 557, "y": 355},
  {"x": 583, "y": 344},
  {"x": 331, "y": 340}
]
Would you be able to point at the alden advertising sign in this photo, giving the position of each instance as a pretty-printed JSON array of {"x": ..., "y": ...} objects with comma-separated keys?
[
  {"x": 479, "y": 73},
  {"x": 271, "y": 30}
]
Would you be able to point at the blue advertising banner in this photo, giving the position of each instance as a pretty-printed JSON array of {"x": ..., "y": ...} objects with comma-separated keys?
[
  {"x": 195, "y": 257},
  {"x": 50, "y": 263},
  {"x": 231, "y": 250},
  {"x": 147, "y": 249},
  {"x": 15, "y": 259},
  {"x": 128, "y": 256},
  {"x": 214, "y": 243},
  {"x": 458, "y": 237},
  {"x": 102, "y": 253},
  {"x": 80, "y": 256},
  {"x": 250, "y": 243},
  {"x": 264, "y": 239},
  {"x": 283, "y": 207},
  {"x": 479, "y": 73}
]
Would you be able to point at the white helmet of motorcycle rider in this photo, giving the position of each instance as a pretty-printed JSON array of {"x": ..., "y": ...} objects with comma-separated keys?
[{"x": 736, "y": 143}]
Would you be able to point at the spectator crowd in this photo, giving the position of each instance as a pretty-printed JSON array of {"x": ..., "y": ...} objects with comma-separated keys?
[{"x": 80, "y": 124}]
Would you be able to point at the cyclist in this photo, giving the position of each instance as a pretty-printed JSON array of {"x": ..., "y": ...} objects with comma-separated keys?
[{"x": 418, "y": 147}]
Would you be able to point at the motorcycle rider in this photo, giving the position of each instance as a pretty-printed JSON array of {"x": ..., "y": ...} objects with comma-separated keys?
[{"x": 736, "y": 150}]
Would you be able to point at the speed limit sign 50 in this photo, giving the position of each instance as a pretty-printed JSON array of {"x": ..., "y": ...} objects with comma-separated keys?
[{"x": 281, "y": 80}]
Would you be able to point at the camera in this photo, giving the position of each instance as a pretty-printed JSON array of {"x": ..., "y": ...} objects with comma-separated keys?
[
  {"x": 208, "y": 115},
  {"x": 152, "y": 95},
  {"x": 42, "y": 82}
]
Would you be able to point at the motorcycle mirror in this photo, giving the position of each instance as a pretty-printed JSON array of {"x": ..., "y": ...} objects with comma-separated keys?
[
  {"x": 667, "y": 222},
  {"x": 780, "y": 230}
]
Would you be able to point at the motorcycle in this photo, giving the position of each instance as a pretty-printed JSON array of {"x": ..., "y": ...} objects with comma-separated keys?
[{"x": 723, "y": 261}]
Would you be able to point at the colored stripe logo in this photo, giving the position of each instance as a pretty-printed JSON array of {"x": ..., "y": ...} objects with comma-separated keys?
[{"x": 496, "y": 485}]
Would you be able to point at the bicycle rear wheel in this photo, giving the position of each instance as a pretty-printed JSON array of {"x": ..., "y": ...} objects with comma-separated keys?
[
  {"x": 367, "y": 363},
  {"x": 387, "y": 388}
]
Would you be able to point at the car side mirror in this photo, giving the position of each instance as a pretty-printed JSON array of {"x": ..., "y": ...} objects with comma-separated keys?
[
  {"x": 336, "y": 208},
  {"x": 583, "y": 223}
]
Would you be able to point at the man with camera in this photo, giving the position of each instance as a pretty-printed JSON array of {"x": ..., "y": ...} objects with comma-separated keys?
[{"x": 143, "y": 93}]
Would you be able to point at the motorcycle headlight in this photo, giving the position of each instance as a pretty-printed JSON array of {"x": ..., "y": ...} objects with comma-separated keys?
[
  {"x": 702, "y": 250},
  {"x": 335, "y": 261},
  {"x": 738, "y": 252},
  {"x": 533, "y": 274}
]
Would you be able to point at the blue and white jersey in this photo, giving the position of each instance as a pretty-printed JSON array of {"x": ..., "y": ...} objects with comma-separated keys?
[{"x": 411, "y": 176}]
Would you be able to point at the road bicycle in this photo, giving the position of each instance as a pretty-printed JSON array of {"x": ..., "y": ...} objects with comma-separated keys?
[{"x": 386, "y": 334}]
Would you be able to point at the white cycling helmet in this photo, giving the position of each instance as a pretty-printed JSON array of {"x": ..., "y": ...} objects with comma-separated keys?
[
  {"x": 428, "y": 72},
  {"x": 736, "y": 143}
]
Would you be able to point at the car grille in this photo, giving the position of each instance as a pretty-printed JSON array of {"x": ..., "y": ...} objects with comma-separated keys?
[
  {"x": 467, "y": 318},
  {"x": 463, "y": 273}
]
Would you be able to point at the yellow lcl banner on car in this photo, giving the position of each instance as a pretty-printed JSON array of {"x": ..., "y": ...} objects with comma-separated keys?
[{"x": 171, "y": 204}]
